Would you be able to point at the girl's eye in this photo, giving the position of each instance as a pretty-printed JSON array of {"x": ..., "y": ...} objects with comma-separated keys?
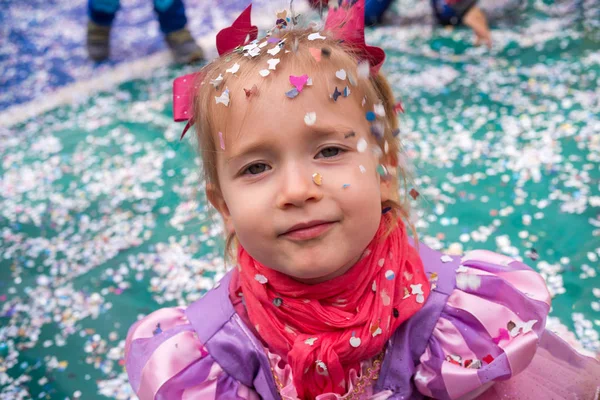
[
  {"x": 331, "y": 152},
  {"x": 256, "y": 169}
]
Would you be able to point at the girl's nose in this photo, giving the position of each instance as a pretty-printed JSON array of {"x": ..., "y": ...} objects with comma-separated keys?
[{"x": 297, "y": 187}]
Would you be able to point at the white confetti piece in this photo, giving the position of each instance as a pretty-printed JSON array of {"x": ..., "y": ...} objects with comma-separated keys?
[
  {"x": 310, "y": 341},
  {"x": 234, "y": 68},
  {"x": 264, "y": 72},
  {"x": 315, "y": 36},
  {"x": 274, "y": 50},
  {"x": 223, "y": 98},
  {"x": 446, "y": 258},
  {"x": 261, "y": 279},
  {"x": 273, "y": 63},
  {"x": 310, "y": 118},
  {"x": 341, "y": 74},
  {"x": 362, "y": 145}
]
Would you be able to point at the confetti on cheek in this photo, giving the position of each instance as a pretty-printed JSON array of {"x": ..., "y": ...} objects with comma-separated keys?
[
  {"x": 316, "y": 36},
  {"x": 221, "y": 141},
  {"x": 317, "y": 179},
  {"x": 310, "y": 118},
  {"x": 362, "y": 169},
  {"x": 362, "y": 145},
  {"x": 345, "y": 186}
]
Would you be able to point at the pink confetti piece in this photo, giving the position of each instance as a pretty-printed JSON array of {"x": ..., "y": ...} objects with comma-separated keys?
[{"x": 221, "y": 141}]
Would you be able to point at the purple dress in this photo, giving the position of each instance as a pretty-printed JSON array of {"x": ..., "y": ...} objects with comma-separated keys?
[{"x": 481, "y": 334}]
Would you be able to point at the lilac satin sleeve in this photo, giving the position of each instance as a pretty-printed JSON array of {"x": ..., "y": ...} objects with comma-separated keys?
[
  {"x": 489, "y": 329},
  {"x": 165, "y": 360}
]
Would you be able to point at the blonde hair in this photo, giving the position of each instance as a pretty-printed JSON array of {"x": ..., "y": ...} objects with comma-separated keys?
[{"x": 211, "y": 118}]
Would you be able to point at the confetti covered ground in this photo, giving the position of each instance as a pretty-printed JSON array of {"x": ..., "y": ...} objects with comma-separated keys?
[{"x": 102, "y": 219}]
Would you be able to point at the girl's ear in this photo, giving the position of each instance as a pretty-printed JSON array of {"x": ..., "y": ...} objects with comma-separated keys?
[{"x": 215, "y": 197}]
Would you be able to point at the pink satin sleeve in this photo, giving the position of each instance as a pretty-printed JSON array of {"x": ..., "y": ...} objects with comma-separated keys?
[
  {"x": 164, "y": 359},
  {"x": 489, "y": 330}
]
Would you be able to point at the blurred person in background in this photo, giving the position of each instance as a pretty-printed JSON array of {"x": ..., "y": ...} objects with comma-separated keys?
[{"x": 172, "y": 20}]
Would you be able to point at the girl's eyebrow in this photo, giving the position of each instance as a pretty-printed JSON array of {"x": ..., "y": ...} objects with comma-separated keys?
[{"x": 261, "y": 144}]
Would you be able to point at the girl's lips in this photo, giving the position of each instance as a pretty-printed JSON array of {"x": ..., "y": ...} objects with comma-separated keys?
[{"x": 309, "y": 232}]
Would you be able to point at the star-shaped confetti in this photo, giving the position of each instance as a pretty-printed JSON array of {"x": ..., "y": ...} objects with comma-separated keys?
[
  {"x": 336, "y": 93},
  {"x": 223, "y": 98}
]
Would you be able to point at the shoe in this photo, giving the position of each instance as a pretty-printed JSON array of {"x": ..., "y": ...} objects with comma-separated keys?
[
  {"x": 98, "y": 41},
  {"x": 183, "y": 46}
]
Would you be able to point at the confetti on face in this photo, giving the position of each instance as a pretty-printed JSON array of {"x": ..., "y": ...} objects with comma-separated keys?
[
  {"x": 221, "y": 141},
  {"x": 362, "y": 70},
  {"x": 340, "y": 74},
  {"x": 386, "y": 147},
  {"x": 292, "y": 93},
  {"x": 379, "y": 109},
  {"x": 351, "y": 79},
  {"x": 345, "y": 186},
  {"x": 346, "y": 91},
  {"x": 316, "y": 53},
  {"x": 413, "y": 193},
  {"x": 364, "y": 101},
  {"x": 370, "y": 115},
  {"x": 336, "y": 93},
  {"x": 274, "y": 50},
  {"x": 299, "y": 81},
  {"x": 273, "y": 63},
  {"x": 252, "y": 91},
  {"x": 377, "y": 129},
  {"x": 310, "y": 118},
  {"x": 362, "y": 169},
  {"x": 317, "y": 179},
  {"x": 234, "y": 68},
  {"x": 315, "y": 36},
  {"x": 264, "y": 72},
  {"x": 223, "y": 98},
  {"x": 362, "y": 145}
]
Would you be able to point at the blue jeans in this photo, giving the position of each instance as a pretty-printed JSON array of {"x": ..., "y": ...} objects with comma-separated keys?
[{"x": 171, "y": 13}]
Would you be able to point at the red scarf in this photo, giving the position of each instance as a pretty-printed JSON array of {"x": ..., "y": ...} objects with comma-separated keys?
[{"x": 326, "y": 329}]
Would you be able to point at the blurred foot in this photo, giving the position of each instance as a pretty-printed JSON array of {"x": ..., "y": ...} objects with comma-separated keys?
[
  {"x": 183, "y": 46},
  {"x": 476, "y": 20},
  {"x": 98, "y": 41}
]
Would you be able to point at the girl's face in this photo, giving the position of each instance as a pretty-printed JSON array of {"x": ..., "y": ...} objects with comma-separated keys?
[{"x": 277, "y": 173}]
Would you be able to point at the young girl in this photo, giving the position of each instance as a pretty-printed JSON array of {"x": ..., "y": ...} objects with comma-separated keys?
[{"x": 330, "y": 298}]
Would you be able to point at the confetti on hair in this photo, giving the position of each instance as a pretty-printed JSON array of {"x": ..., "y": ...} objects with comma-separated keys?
[
  {"x": 254, "y": 52},
  {"x": 396, "y": 132},
  {"x": 295, "y": 45},
  {"x": 352, "y": 80},
  {"x": 386, "y": 147},
  {"x": 315, "y": 36},
  {"x": 221, "y": 141},
  {"x": 379, "y": 109},
  {"x": 336, "y": 93},
  {"x": 274, "y": 50},
  {"x": 382, "y": 170},
  {"x": 292, "y": 93},
  {"x": 234, "y": 68},
  {"x": 299, "y": 81},
  {"x": 252, "y": 91},
  {"x": 316, "y": 53},
  {"x": 264, "y": 72},
  {"x": 273, "y": 63},
  {"x": 413, "y": 193},
  {"x": 346, "y": 91},
  {"x": 341, "y": 74},
  {"x": 377, "y": 129},
  {"x": 398, "y": 107},
  {"x": 223, "y": 98},
  {"x": 386, "y": 210},
  {"x": 310, "y": 118},
  {"x": 364, "y": 101},
  {"x": 217, "y": 81},
  {"x": 363, "y": 70}
]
